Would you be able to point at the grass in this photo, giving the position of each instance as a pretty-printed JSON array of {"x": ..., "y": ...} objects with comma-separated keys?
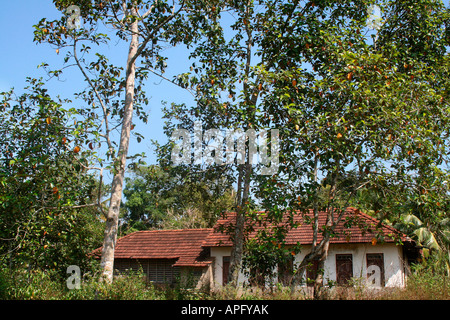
[{"x": 22, "y": 284}]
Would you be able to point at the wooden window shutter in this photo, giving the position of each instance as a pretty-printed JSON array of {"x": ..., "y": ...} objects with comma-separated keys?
[
  {"x": 162, "y": 271},
  {"x": 225, "y": 269},
  {"x": 344, "y": 269},
  {"x": 286, "y": 270}
]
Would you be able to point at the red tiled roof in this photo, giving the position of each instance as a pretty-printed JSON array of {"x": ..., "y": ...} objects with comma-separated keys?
[
  {"x": 362, "y": 229},
  {"x": 184, "y": 245}
]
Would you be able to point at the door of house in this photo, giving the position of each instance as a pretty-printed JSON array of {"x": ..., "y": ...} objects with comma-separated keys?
[
  {"x": 225, "y": 269},
  {"x": 344, "y": 268},
  {"x": 311, "y": 272}
]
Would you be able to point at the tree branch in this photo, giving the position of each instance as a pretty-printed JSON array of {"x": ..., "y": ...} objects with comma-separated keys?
[
  {"x": 105, "y": 111},
  {"x": 152, "y": 34}
]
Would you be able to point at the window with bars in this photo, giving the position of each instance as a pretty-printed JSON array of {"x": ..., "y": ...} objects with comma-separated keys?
[
  {"x": 127, "y": 265},
  {"x": 156, "y": 270},
  {"x": 162, "y": 271}
]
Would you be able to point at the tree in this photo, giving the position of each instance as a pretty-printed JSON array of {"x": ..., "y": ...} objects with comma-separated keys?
[
  {"x": 226, "y": 86},
  {"x": 48, "y": 203},
  {"x": 146, "y": 26},
  {"x": 347, "y": 104},
  {"x": 164, "y": 197}
]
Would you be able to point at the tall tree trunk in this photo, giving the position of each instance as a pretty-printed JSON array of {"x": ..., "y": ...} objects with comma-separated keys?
[
  {"x": 112, "y": 220},
  {"x": 318, "y": 282},
  {"x": 238, "y": 241},
  {"x": 325, "y": 243},
  {"x": 319, "y": 251}
]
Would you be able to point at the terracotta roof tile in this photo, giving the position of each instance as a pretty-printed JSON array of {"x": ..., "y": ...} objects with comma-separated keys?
[
  {"x": 355, "y": 227},
  {"x": 184, "y": 245}
]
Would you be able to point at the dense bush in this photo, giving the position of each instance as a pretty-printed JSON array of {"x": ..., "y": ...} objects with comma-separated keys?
[
  {"x": 23, "y": 284},
  {"x": 429, "y": 281},
  {"x": 46, "y": 285},
  {"x": 132, "y": 286}
]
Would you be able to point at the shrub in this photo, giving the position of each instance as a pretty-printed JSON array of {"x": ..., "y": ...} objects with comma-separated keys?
[
  {"x": 23, "y": 284},
  {"x": 428, "y": 282},
  {"x": 131, "y": 286}
]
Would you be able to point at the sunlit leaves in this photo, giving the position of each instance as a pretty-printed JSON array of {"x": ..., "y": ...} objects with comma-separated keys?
[{"x": 374, "y": 110}]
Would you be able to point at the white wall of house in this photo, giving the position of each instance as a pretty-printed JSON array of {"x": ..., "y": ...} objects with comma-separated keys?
[{"x": 394, "y": 271}]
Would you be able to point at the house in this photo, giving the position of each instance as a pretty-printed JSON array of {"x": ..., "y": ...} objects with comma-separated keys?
[
  {"x": 165, "y": 256},
  {"x": 362, "y": 248}
]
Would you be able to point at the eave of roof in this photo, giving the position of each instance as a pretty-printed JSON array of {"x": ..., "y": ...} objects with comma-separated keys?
[{"x": 181, "y": 244}]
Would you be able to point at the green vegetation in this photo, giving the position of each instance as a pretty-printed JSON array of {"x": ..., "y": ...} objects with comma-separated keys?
[
  {"x": 426, "y": 283},
  {"x": 49, "y": 214},
  {"x": 172, "y": 198}
]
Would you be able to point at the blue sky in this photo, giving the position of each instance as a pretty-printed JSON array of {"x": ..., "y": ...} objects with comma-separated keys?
[{"x": 19, "y": 55}]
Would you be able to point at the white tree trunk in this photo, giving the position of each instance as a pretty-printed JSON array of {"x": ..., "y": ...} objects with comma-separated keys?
[{"x": 112, "y": 220}]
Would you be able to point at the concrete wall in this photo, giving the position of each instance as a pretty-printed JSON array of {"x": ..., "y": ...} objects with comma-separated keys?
[
  {"x": 393, "y": 262},
  {"x": 218, "y": 253}
]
